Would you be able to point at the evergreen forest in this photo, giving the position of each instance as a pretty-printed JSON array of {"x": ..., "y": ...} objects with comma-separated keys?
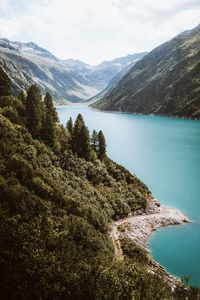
[{"x": 59, "y": 194}]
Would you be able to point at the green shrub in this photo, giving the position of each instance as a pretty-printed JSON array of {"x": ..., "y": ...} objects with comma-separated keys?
[{"x": 133, "y": 251}]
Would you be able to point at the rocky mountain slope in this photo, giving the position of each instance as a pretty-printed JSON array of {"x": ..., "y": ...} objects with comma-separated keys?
[
  {"x": 166, "y": 81},
  {"x": 114, "y": 80},
  {"x": 108, "y": 70},
  {"x": 69, "y": 79}
]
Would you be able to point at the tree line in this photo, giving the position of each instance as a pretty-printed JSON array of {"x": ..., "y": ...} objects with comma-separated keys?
[
  {"x": 41, "y": 120},
  {"x": 82, "y": 144}
]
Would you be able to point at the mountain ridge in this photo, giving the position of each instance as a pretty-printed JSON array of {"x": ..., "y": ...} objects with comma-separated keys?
[
  {"x": 165, "y": 82},
  {"x": 69, "y": 79}
]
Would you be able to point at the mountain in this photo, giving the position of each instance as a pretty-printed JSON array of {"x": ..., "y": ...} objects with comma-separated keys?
[
  {"x": 133, "y": 59},
  {"x": 28, "y": 63},
  {"x": 70, "y": 79},
  {"x": 165, "y": 82},
  {"x": 107, "y": 70}
]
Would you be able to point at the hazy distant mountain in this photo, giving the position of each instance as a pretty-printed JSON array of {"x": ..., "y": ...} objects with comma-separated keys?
[
  {"x": 107, "y": 70},
  {"x": 28, "y": 63},
  {"x": 123, "y": 71},
  {"x": 166, "y": 81},
  {"x": 70, "y": 79}
]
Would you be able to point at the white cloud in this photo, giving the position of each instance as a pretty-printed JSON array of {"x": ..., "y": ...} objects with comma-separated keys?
[{"x": 94, "y": 30}]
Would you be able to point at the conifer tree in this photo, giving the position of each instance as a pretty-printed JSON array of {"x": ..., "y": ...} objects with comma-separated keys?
[
  {"x": 101, "y": 146},
  {"x": 5, "y": 83},
  {"x": 85, "y": 143},
  {"x": 34, "y": 111},
  {"x": 49, "y": 120},
  {"x": 22, "y": 97},
  {"x": 80, "y": 118},
  {"x": 51, "y": 109},
  {"x": 94, "y": 140},
  {"x": 63, "y": 138},
  {"x": 81, "y": 139},
  {"x": 69, "y": 126},
  {"x": 76, "y": 144},
  {"x": 48, "y": 130}
]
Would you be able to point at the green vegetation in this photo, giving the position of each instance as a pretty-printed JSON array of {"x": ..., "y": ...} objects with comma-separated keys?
[
  {"x": 129, "y": 280},
  {"x": 94, "y": 140},
  {"x": 81, "y": 139},
  {"x": 57, "y": 201},
  {"x": 102, "y": 145},
  {"x": 69, "y": 126},
  {"x": 133, "y": 251},
  {"x": 5, "y": 81},
  {"x": 124, "y": 227},
  {"x": 49, "y": 119}
]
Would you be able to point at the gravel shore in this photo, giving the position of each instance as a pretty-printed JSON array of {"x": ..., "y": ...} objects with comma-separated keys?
[{"x": 139, "y": 228}]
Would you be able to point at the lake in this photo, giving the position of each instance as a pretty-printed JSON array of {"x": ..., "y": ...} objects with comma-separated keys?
[{"x": 164, "y": 153}]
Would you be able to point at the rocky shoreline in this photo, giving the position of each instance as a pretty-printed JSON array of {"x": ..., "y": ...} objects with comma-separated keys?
[
  {"x": 142, "y": 226},
  {"x": 139, "y": 227}
]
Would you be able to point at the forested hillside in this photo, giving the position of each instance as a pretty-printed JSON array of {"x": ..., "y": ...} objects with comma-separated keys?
[{"x": 59, "y": 194}]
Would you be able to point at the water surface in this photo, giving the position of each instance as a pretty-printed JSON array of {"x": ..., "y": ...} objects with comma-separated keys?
[{"x": 165, "y": 154}]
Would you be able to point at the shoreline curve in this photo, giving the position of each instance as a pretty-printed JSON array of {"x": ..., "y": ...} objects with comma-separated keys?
[{"x": 139, "y": 227}]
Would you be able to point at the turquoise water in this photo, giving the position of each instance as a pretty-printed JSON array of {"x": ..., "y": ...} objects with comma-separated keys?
[{"x": 165, "y": 154}]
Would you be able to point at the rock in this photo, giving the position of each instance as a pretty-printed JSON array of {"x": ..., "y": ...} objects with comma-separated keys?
[{"x": 157, "y": 202}]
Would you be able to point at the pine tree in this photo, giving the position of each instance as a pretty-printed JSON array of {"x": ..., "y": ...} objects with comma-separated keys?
[
  {"x": 76, "y": 144},
  {"x": 69, "y": 126},
  {"x": 85, "y": 143},
  {"x": 5, "y": 83},
  {"x": 63, "y": 139},
  {"x": 94, "y": 140},
  {"x": 48, "y": 135},
  {"x": 34, "y": 111},
  {"x": 51, "y": 109},
  {"x": 81, "y": 139},
  {"x": 80, "y": 118},
  {"x": 22, "y": 97},
  {"x": 49, "y": 119},
  {"x": 101, "y": 146}
]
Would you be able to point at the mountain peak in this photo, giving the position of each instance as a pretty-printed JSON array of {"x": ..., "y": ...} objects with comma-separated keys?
[
  {"x": 26, "y": 48},
  {"x": 32, "y": 45}
]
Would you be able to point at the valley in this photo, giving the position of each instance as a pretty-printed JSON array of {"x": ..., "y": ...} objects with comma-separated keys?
[{"x": 67, "y": 80}]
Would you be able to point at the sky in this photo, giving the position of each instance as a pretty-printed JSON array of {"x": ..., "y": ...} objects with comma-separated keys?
[{"x": 96, "y": 30}]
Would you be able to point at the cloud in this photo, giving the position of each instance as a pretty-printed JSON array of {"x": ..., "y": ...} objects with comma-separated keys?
[{"x": 94, "y": 30}]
